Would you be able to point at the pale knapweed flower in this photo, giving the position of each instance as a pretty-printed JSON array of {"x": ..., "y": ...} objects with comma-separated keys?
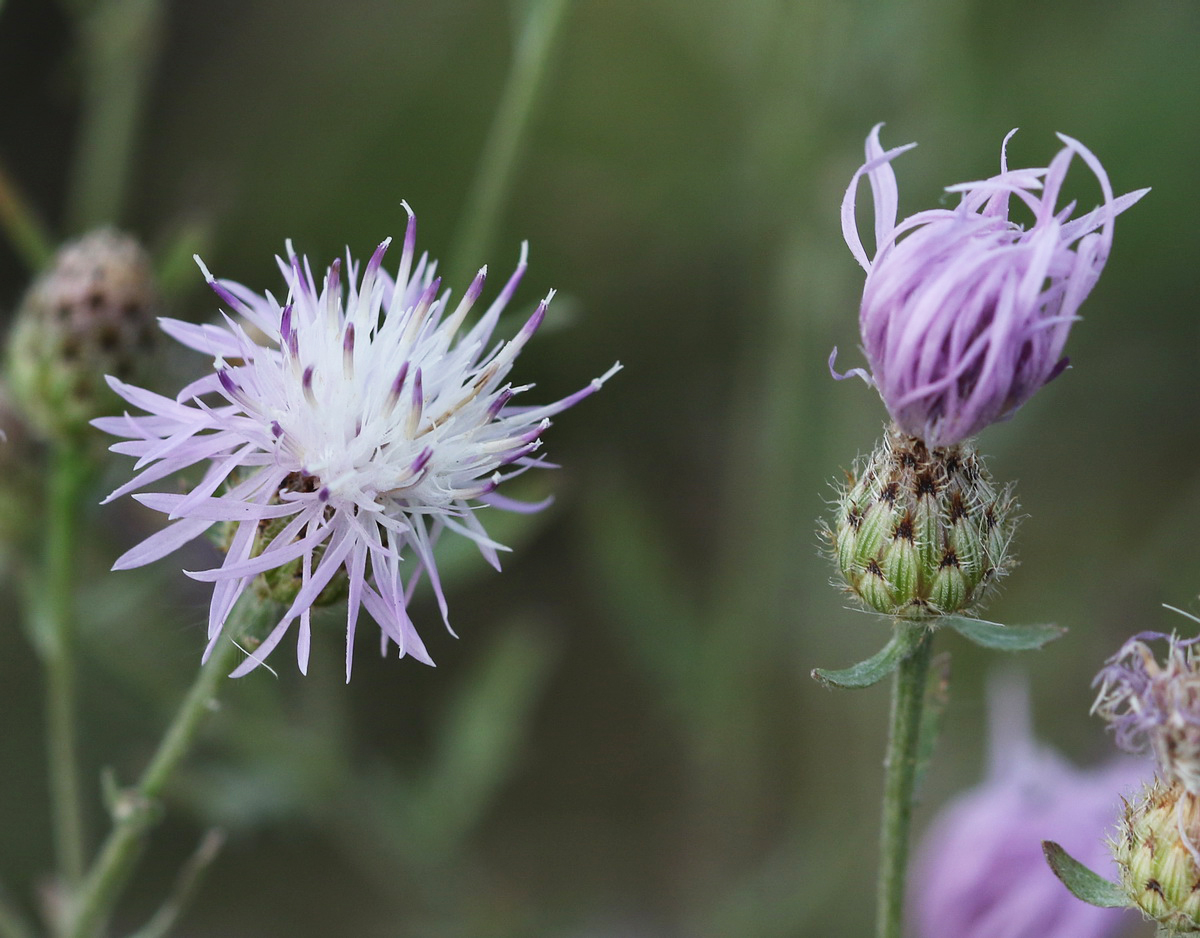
[
  {"x": 342, "y": 431},
  {"x": 1156, "y": 706},
  {"x": 980, "y": 872},
  {"x": 965, "y": 311}
]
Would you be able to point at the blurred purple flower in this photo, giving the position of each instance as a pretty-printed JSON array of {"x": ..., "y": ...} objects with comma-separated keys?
[
  {"x": 980, "y": 872},
  {"x": 346, "y": 428},
  {"x": 1156, "y": 706},
  {"x": 965, "y": 312}
]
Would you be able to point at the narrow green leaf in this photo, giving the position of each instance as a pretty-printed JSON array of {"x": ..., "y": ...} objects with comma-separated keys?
[
  {"x": 1003, "y": 637},
  {"x": 871, "y": 671},
  {"x": 1083, "y": 883}
]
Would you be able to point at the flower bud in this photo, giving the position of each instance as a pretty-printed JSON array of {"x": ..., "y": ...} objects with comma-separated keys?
[
  {"x": 1156, "y": 851},
  {"x": 922, "y": 532},
  {"x": 91, "y": 313}
]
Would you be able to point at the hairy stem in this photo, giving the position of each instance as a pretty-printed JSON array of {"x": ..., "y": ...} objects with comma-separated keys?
[{"x": 908, "y": 696}]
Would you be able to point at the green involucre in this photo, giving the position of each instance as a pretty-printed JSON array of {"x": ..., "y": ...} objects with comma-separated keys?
[
  {"x": 921, "y": 533},
  {"x": 1158, "y": 871}
]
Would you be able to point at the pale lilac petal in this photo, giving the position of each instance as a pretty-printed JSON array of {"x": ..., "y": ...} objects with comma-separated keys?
[
  {"x": 496, "y": 500},
  {"x": 215, "y": 509},
  {"x": 212, "y": 340},
  {"x": 161, "y": 543}
]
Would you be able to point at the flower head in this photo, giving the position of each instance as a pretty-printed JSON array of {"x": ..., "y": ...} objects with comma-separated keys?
[
  {"x": 1156, "y": 706},
  {"x": 342, "y": 431},
  {"x": 965, "y": 312},
  {"x": 979, "y": 870}
]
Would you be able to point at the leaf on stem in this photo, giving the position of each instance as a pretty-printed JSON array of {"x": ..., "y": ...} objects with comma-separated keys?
[
  {"x": 1003, "y": 637},
  {"x": 1083, "y": 884},
  {"x": 871, "y": 671}
]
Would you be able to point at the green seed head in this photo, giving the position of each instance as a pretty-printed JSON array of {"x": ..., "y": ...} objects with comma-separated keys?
[
  {"x": 91, "y": 313},
  {"x": 1155, "y": 849},
  {"x": 921, "y": 533}
]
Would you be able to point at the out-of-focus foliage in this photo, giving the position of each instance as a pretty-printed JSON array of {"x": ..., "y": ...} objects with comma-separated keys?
[{"x": 625, "y": 740}]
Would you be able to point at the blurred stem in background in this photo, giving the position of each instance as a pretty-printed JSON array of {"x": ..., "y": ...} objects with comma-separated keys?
[
  {"x": 119, "y": 41},
  {"x": 50, "y": 614},
  {"x": 134, "y": 811},
  {"x": 26, "y": 231},
  {"x": 510, "y": 124}
]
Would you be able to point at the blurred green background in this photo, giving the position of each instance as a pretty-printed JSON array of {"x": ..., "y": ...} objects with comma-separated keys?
[{"x": 625, "y": 741}]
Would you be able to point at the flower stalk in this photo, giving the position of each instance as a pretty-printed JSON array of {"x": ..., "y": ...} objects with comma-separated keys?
[
  {"x": 135, "y": 813},
  {"x": 900, "y": 767}
]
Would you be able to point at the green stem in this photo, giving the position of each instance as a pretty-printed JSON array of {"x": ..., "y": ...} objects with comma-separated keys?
[
  {"x": 136, "y": 813},
  {"x": 908, "y": 696},
  {"x": 119, "y": 40},
  {"x": 498, "y": 161},
  {"x": 26, "y": 232},
  {"x": 50, "y": 605}
]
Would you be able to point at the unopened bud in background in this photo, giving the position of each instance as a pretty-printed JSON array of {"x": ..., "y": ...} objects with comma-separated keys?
[{"x": 90, "y": 314}]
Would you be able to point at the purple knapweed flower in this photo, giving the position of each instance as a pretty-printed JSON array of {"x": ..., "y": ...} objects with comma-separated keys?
[
  {"x": 1156, "y": 706},
  {"x": 980, "y": 871},
  {"x": 965, "y": 312},
  {"x": 342, "y": 431}
]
